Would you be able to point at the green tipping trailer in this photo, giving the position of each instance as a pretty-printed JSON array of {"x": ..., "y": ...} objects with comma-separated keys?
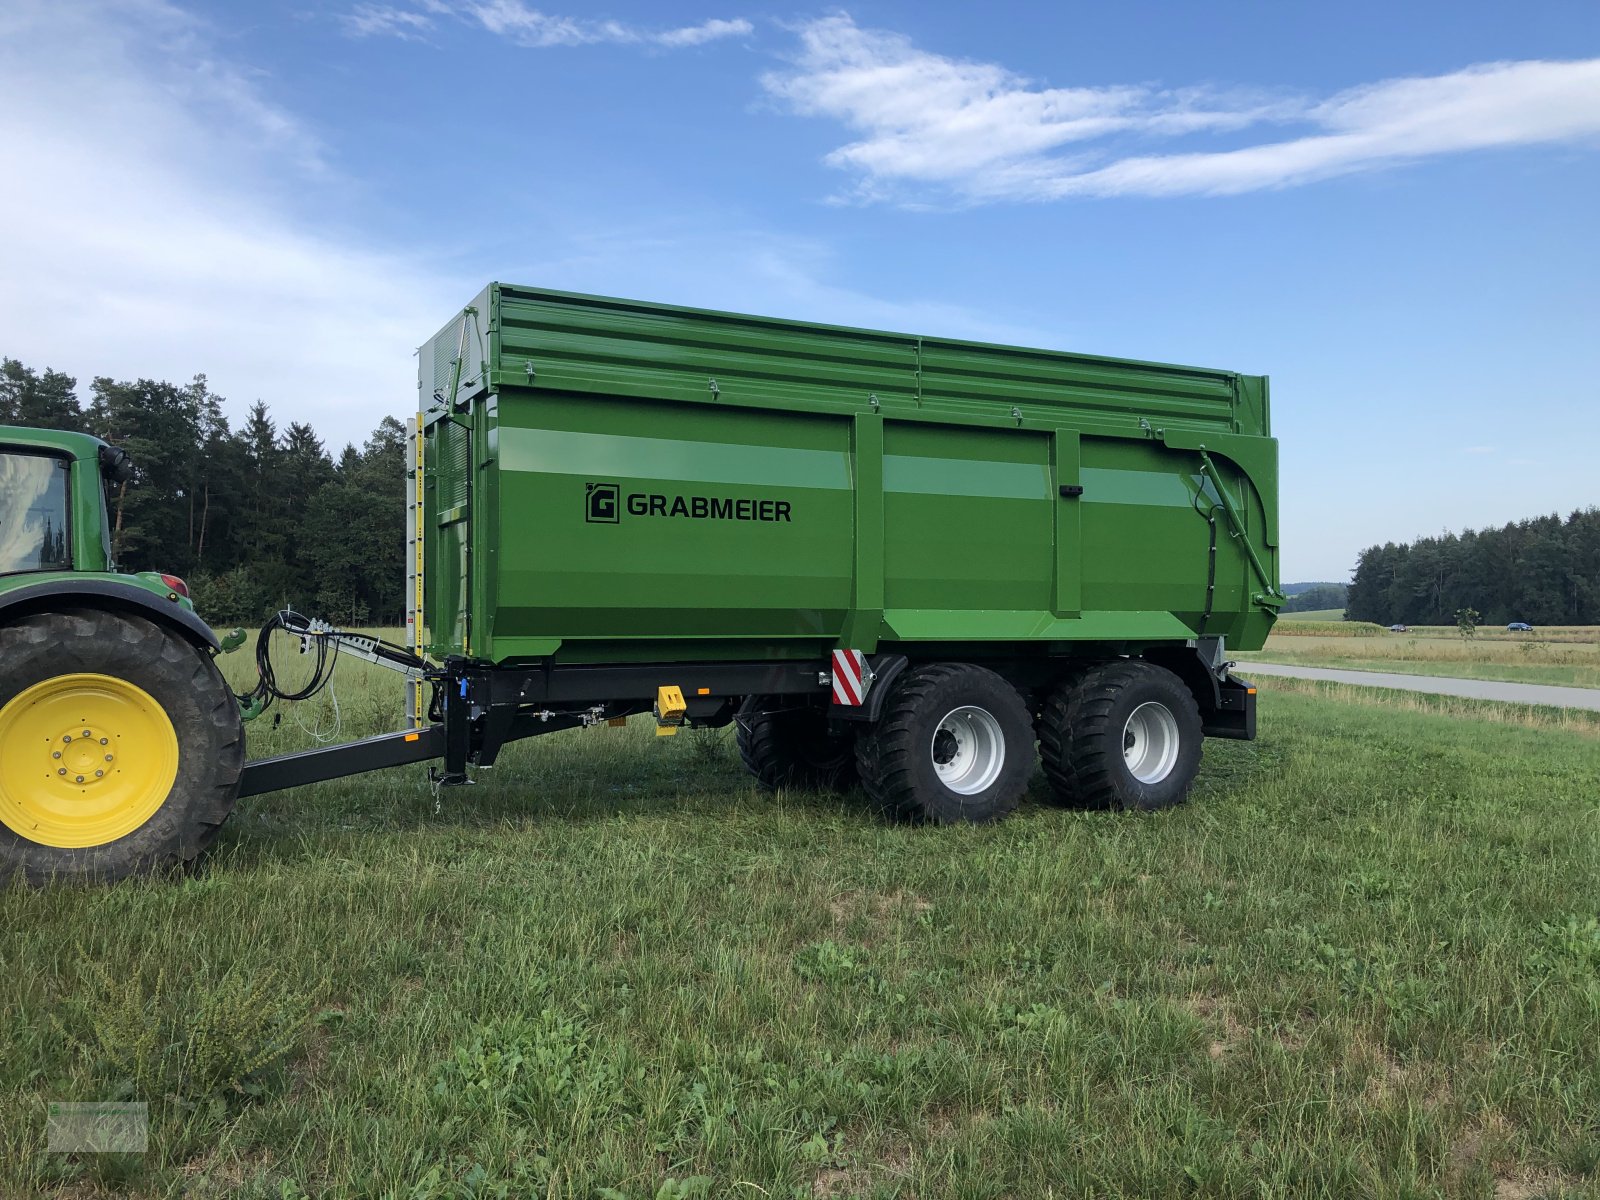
[
  {"x": 798, "y": 526},
  {"x": 613, "y": 481},
  {"x": 894, "y": 560}
]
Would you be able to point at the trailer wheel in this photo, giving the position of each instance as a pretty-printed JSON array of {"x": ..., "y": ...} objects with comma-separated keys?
[
  {"x": 954, "y": 743},
  {"x": 793, "y": 747},
  {"x": 1123, "y": 735},
  {"x": 122, "y": 748}
]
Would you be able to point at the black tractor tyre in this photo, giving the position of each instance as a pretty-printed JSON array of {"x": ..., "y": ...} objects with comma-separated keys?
[
  {"x": 1125, "y": 734},
  {"x": 953, "y": 744},
  {"x": 793, "y": 747},
  {"x": 1038, "y": 699},
  {"x": 118, "y": 649}
]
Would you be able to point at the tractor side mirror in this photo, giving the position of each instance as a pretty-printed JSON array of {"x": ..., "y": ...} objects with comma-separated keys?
[{"x": 115, "y": 464}]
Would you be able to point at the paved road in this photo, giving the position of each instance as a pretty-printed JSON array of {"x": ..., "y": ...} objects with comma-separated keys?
[{"x": 1473, "y": 689}]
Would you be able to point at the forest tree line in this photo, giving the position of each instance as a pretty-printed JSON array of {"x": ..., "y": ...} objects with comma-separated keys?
[
  {"x": 1317, "y": 598},
  {"x": 1545, "y": 571},
  {"x": 254, "y": 518}
]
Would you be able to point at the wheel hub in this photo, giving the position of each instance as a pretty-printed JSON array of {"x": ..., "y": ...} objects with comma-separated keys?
[
  {"x": 968, "y": 750},
  {"x": 1150, "y": 742},
  {"x": 83, "y": 755}
]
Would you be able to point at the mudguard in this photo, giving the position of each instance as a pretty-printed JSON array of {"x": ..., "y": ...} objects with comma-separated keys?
[{"x": 106, "y": 593}]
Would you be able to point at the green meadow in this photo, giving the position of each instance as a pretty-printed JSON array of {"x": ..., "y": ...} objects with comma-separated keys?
[{"x": 1363, "y": 961}]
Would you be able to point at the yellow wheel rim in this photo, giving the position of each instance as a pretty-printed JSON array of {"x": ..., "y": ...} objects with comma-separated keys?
[{"x": 84, "y": 760}]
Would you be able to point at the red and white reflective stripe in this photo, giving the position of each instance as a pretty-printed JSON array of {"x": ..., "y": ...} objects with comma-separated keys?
[{"x": 849, "y": 677}]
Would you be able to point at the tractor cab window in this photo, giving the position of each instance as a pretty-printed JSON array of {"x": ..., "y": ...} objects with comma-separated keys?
[{"x": 33, "y": 513}]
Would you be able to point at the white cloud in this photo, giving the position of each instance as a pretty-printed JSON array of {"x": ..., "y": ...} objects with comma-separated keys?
[
  {"x": 706, "y": 31},
  {"x": 515, "y": 20},
  {"x": 530, "y": 27},
  {"x": 976, "y": 131},
  {"x": 385, "y": 20},
  {"x": 147, "y": 227}
]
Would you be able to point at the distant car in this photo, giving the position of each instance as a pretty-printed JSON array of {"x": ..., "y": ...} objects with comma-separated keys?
[
  {"x": 1399, "y": 629},
  {"x": 1519, "y": 627}
]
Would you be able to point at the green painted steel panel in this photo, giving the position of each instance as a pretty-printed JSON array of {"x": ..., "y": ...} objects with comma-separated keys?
[{"x": 614, "y": 481}]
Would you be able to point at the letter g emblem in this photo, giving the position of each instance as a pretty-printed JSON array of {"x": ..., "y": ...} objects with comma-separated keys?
[{"x": 601, "y": 503}]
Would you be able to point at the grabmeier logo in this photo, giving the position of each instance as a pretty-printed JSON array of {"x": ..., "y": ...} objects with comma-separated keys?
[{"x": 602, "y": 505}]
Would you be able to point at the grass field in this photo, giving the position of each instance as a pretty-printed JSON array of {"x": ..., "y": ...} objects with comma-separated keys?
[
  {"x": 1316, "y": 614},
  {"x": 1364, "y": 961},
  {"x": 1574, "y": 634},
  {"x": 1302, "y": 625},
  {"x": 1569, "y": 656}
]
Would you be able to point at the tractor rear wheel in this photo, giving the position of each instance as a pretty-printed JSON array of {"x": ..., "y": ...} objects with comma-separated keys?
[
  {"x": 122, "y": 748},
  {"x": 793, "y": 747}
]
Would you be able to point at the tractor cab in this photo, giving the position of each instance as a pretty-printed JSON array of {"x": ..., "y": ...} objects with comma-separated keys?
[{"x": 52, "y": 500}]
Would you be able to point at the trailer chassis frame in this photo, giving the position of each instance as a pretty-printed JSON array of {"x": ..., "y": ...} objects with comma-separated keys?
[{"x": 477, "y": 709}]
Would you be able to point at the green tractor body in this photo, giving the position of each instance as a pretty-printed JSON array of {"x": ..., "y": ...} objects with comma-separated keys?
[{"x": 121, "y": 748}]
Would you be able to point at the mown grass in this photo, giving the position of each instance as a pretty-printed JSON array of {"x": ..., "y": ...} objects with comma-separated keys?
[
  {"x": 1582, "y": 721},
  {"x": 1364, "y": 961},
  {"x": 1528, "y": 659}
]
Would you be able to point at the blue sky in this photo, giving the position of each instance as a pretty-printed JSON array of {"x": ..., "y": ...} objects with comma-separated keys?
[{"x": 1390, "y": 209}]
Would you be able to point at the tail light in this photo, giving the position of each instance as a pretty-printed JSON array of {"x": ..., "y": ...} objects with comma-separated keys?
[{"x": 174, "y": 584}]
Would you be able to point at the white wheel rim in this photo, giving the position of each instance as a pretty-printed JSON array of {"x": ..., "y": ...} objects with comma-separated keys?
[
  {"x": 968, "y": 750},
  {"x": 1150, "y": 742}
]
